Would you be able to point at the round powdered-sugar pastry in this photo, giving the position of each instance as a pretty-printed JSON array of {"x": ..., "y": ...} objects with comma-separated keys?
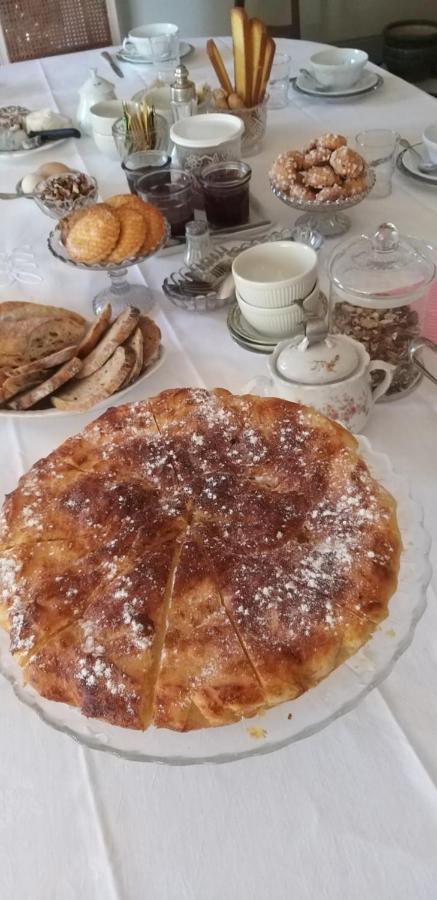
[
  {"x": 300, "y": 192},
  {"x": 319, "y": 177},
  {"x": 347, "y": 163},
  {"x": 354, "y": 186},
  {"x": 330, "y": 194},
  {"x": 331, "y": 141},
  {"x": 318, "y": 156}
]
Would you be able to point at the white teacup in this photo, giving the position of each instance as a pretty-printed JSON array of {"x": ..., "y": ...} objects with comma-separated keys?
[
  {"x": 275, "y": 274},
  {"x": 338, "y": 68},
  {"x": 429, "y": 138},
  {"x": 155, "y": 42}
]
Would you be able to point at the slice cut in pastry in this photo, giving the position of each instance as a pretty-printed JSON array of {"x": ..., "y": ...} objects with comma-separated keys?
[
  {"x": 205, "y": 678},
  {"x": 106, "y": 663}
]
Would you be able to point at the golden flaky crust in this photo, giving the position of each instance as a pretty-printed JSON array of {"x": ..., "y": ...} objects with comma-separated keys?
[{"x": 193, "y": 559}]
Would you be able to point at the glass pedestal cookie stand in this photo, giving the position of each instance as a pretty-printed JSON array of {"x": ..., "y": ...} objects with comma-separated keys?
[
  {"x": 325, "y": 216},
  {"x": 120, "y": 292}
]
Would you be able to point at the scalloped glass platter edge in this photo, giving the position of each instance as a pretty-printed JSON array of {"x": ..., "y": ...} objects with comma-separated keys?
[{"x": 336, "y": 695}]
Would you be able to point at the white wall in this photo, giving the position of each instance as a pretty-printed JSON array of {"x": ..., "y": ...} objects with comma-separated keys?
[
  {"x": 323, "y": 20},
  {"x": 197, "y": 17}
]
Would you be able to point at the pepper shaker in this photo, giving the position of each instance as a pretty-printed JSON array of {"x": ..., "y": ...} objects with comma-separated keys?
[{"x": 183, "y": 99}]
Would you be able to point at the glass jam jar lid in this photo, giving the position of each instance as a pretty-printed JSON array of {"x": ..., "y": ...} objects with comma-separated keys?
[{"x": 382, "y": 270}]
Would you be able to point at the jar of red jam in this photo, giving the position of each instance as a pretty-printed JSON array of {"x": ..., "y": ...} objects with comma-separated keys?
[{"x": 225, "y": 187}]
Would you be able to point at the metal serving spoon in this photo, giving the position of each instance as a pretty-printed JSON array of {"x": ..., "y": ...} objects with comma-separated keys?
[{"x": 422, "y": 166}]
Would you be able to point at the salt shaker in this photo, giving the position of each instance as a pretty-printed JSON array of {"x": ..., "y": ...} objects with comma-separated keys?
[
  {"x": 183, "y": 100},
  {"x": 197, "y": 242}
]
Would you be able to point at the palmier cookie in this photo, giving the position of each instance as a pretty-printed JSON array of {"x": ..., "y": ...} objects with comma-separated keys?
[
  {"x": 354, "y": 186},
  {"x": 130, "y": 200},
  {"x": 310, "y": 146},
  {"x": 94, "y": 235},
  {"x": 300, "y": 192},
  {"x": 318, "y": 156},
  {"x": 319, "y": 177},
  {"x": 330, "y": 194},
  {"x": 331, "y": 141},
  {"x": 155, "y": 227},
  {"x": 347, "y": 163},
  {"x": 132, "y": 234}
]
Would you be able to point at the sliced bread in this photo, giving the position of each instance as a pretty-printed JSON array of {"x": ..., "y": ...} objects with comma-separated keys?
[
  {"x": 25, "y": 309},
  {"x": 117, "y": 334},
  {"x": 151, "y": 341},
  {"x": 82, "y": 395},
  {"x": 97, "y": 330},
  {"x": 135, "y": 342},
  {"x": 30, "y": 339},
  {"x": 60, "y": 377}
]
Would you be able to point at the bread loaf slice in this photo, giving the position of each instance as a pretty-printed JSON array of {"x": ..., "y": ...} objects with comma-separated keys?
[
  {"x": 97, "y": 330},
  {"x": 60, "y": 377},
  {"x": 151, "y": 341},
  {"x": 135, "y": 342},
  {"x": 25, "y": 309},
  {"x": 82, "y": 395},
  {"x": 117, "y": 334},
  {"x": 30, "y": 339}
]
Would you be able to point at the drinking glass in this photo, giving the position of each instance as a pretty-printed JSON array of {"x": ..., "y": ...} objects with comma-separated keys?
[
  {"x": 141, "y": 162},
  {"x": 279, "y": 81},
  {"x": 171, "y": 190},
  {"x": 378, "y": 147}
]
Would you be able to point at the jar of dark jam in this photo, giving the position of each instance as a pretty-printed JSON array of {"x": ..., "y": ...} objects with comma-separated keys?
[
  {"x": 225, "y": 187},
  {"x": 171, "y": 190}
]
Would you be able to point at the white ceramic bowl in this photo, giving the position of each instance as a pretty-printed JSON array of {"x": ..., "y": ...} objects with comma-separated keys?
[
  {"x": 278, "y": 323},
  {"x": 104, "y": 114},
  {"x": 338, "y": 67},
  {"x": 429, "y": 138},
  {"x": 275, "y": 274},
  {"x": 106, "y": 144}
]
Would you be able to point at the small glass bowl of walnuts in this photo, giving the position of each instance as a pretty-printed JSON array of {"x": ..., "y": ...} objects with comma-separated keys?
[{"x": 60, "y": 194}]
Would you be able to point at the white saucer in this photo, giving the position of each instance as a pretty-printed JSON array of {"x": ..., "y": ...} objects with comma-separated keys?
[
  {"x": 369, "y": 81},
  {"x": 18, "y": 154},
  {"x": 408, "y": 163},
  {"x": 128, "y": 56}
]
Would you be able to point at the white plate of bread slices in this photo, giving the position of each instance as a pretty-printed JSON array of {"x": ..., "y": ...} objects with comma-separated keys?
[{"x": 54, "y": 362}]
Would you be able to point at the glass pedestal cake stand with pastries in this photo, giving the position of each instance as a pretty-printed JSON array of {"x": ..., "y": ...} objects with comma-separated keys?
[
  {"x": 120, "y": 292},
  {"x": 327, "y": 216}
]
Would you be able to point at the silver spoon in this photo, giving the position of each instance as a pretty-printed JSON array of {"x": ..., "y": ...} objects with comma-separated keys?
[{"x": 423, "y": 166}]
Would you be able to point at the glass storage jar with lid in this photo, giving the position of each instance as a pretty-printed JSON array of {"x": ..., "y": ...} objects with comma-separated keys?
[{"x": 378, "y": 288}]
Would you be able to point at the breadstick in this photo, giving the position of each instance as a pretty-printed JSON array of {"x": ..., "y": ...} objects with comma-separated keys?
[
  {"x": 258, "y": 40},
  {"x": 267, "y": 66},
  {"x": 242, "y": 63},
  {"x": 218, "y": 66}
]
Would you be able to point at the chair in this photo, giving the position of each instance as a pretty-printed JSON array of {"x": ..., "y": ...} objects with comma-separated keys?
[
  {"x": 33, "y": 28},
  {"x": 288, "y": 30}
]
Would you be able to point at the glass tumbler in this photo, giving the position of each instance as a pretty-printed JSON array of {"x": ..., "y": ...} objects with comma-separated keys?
[
  {"x": 142, "y": 162},
  {"x": 225, "y": 187},
  {"x": 171, "y": 190},
  {"x": 279, "y": 82},
  {"x": 378, "y": 147}
]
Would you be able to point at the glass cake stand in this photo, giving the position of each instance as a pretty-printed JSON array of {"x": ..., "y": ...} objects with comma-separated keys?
[
  {"x": 120, "y": 293},
  {"x": 325, "y": 216},
  {"x": 337, "y": 694}
]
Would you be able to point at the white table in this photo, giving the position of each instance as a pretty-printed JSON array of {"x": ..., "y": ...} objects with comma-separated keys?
[{"x": 351, "y": 812}]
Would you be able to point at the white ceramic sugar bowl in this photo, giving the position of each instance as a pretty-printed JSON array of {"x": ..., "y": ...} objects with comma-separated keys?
[
  {"x": 332, "y": 373},
  {"x": 94, "y": 90}
]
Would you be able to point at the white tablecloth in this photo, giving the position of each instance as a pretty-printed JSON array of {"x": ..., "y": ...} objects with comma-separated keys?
[{"x": 350, "y": 812}]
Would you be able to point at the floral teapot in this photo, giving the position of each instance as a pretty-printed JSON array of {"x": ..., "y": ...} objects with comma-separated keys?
[{"x": 332, "y": 373}]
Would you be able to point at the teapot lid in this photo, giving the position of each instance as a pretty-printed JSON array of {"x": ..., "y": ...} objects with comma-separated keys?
[
  {"x": 317, "y": 358},
  {"x": 95, "y": 83},
  {"x": 384, "y": 269}
]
